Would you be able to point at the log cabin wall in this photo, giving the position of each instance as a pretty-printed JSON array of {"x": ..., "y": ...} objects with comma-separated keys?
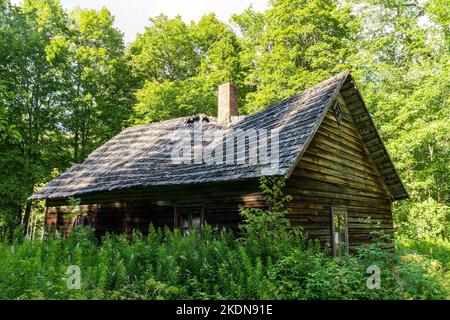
[
  {"x": 336, "y": 171},
  {"x": 137, "y": 208}
]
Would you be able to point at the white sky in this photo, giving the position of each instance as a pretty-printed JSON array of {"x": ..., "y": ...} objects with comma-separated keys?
[{"x": 132, "y": 15}]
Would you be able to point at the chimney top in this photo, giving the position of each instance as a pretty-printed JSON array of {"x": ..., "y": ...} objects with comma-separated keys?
[{"x": 227, "y": 102}]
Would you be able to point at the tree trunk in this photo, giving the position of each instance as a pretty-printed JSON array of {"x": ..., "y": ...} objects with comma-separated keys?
[
  {"x": 75, "y": 147},
  {"x": 26, "y": 217},
  {"x": 19, "y": 214}
]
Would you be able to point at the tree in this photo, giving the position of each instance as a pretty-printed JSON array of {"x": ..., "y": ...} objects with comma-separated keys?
[
  {"x": 28, "y": 99},
  {"x": 181, "y": 65},
  {"x": 65, "y": 88},
  {"x": 302, "y": 43},
  {"x": 165, "y": 51},
  {"x": 403, "y": 71},
  {"x": 94, "y": 79}
]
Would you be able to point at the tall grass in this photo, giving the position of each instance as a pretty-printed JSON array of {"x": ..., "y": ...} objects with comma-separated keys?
[
  {"x": 270, "y": 260},
  {"x": 208, "y": 265}
]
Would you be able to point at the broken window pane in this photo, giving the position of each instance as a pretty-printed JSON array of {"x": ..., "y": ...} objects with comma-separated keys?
[{"x": 339, "y": 231}]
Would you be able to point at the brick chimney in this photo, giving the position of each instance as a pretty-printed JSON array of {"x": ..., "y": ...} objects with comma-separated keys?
[{"x": 227, "y": 104}]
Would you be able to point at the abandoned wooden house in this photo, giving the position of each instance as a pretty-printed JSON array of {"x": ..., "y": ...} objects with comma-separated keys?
[{"x": 338, "y": 171}]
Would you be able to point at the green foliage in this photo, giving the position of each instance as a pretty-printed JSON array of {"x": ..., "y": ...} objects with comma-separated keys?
[
  {"x": 94, "y": 78},
  {"x": 423, "y": 278},
  {"x": 434, "y": 249},
  {"x": 209, "y": 265},
  {"x": 402, "y": 68},
  {"x": 192, "y": 96},
  {"x": 72, "y": 207},
  {"x": 165, "y": 51},
  {"x": 65, "y": 88},
  {"x": 428, "y": 219},
  {"x": 265, "y": 229},
  {"x": 298, "y": 44},
  {"x": 268, "y": 261},
  {"x": 9, "y": 133},
  {"x": 67, "y": 84},
  {"x": 180, "y": 66}
]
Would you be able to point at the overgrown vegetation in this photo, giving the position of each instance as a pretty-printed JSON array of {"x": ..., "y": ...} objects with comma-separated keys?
[
  {"x": 268, "y": 261},
  {"x": 68, "y": 83}
]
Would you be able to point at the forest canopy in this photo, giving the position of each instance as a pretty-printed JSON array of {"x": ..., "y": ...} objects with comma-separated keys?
[{"x": 68, "y": 83}]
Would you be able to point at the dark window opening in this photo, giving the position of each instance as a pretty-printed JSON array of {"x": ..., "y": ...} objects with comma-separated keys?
[
  {"x": 339, "y": 231},
  {"x": 337, "y": 112},
  {"x": 189, "y": 217},
  {"x": 83, "y": 220}
]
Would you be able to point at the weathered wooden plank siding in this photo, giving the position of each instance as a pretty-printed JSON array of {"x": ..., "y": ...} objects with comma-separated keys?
[
  {"x": 336, "y": 170},
  {"x": 137, "y": 208}
]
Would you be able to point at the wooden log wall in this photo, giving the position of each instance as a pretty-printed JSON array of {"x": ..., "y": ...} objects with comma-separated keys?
[
  {"x": 337, "y": 170},
  {"x": 121, "y": 211}
]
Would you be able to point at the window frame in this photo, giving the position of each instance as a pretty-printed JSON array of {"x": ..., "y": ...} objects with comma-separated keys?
[
  {"x": 83, "y": 220},
  {"x": 177, "y": 212},
  {"x": 344, "y": 212}
]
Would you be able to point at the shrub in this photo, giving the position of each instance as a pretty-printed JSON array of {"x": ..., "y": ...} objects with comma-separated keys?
[
  {"x": 270, "y": 260},
  {"x": 422, "y": 220}
]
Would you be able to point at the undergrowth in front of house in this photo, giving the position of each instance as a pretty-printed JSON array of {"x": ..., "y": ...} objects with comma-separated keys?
[{"x": 267, "y": 260}]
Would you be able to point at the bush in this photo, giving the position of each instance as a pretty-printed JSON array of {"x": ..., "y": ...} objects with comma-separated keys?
[
  {"x": 425, "y": 268},
  {"x": 208, "y": 265},
  {"x": 269, "y": 261},
  {"x": 422, "y": 220}
]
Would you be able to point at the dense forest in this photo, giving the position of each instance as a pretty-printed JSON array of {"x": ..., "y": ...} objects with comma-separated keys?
[{"x": 68, "y": 83}]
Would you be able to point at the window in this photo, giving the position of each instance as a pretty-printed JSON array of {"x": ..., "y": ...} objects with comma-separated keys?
[
  {"x": 188, "y": 217},
  {"x": 339, "y": 231},
  {"x": 82, "y": 220},
  {"x": 337, "y": 112}
]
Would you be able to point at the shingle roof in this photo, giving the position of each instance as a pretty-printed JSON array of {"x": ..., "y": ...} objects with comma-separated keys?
[{"x": 141, "y": 156}]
